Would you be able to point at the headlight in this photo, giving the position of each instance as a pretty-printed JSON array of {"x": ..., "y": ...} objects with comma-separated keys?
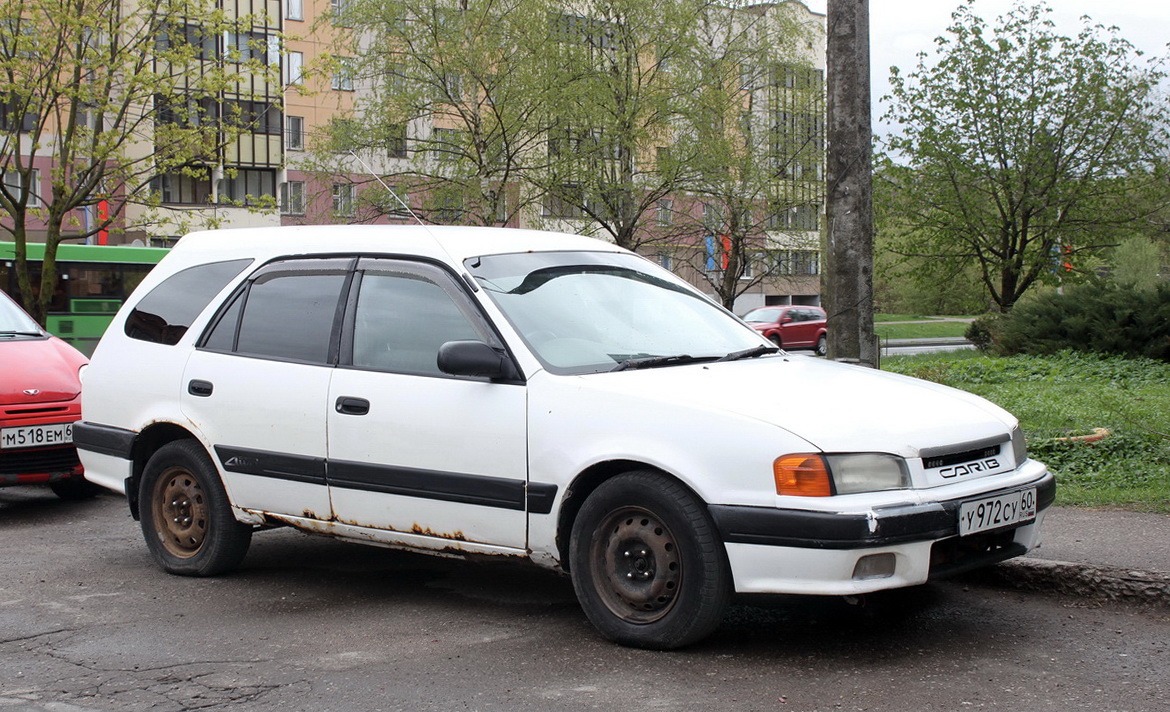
[
  {"x": 816, "y": 475},
  {"x": 868, "y": 472},
  {"x": 1019, "y": 447}
]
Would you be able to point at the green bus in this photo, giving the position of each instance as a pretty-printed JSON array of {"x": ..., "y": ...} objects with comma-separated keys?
[{"x": 92, "y": 283}]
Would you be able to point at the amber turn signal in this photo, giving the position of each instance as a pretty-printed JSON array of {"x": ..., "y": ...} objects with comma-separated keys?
[{"x": 803, "y": 475}]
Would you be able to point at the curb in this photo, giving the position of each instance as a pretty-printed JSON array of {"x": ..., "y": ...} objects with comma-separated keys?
[{"x": 1081, "y": 580}]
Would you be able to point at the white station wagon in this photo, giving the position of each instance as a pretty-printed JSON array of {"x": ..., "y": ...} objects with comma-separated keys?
[{"x": 481, "y": 391}]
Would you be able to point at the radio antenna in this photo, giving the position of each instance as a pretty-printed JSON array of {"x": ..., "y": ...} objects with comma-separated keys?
[{"x": 388, "y": 188}]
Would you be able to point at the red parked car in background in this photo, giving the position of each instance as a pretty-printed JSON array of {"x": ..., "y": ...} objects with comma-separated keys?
[
  {"x": 40, "y": 398},
  {"x": 791, "y": 326}
]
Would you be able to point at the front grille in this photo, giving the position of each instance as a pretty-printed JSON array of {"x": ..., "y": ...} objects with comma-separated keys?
[
  {"x": 957, "y": 458},
  {"x": 25, "y": 462}
]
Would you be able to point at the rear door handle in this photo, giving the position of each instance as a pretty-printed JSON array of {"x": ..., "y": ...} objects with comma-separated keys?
[
  {"x": 348, "y": 405},
  {"x": 199, "y": 388}
]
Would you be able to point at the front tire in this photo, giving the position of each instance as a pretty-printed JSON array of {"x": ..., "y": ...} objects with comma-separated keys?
[
  {"x": 822, "y": 346},
  {"x": 647, "y": 564},
  {"x": 185, "y": 515}
]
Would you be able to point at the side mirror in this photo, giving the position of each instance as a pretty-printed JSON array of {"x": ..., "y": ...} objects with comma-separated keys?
[{"x": 474, "y": 358}]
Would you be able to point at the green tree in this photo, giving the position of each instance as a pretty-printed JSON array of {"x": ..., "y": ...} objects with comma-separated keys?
[
  {"x": 1019, "y": 147},
  {"x": 451, "y": 105},
  {"x": 751, "y": 131},
  {"x": 107, "y": 95},
  {"x": 620, "y": 77}
]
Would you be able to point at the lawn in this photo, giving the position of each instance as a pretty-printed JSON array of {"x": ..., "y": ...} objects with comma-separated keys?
[
  {"x": 920, "y": 330},
  {"x": 1069, "y": 394}
]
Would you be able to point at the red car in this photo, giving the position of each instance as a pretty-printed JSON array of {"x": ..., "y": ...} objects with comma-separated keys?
[
  {"x": 791, "y": 326},
  {"x": 40, "y": 398}
]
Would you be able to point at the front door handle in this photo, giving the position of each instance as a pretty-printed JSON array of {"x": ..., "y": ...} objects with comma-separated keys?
[
  {"x": 199, "y": 388},
  {"x": 348, "y": 405}
]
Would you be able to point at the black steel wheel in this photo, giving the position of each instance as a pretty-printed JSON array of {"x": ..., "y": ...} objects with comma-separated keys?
[
  {"x": 185, "y": 515},
  {"x": 647, "y": 564}
]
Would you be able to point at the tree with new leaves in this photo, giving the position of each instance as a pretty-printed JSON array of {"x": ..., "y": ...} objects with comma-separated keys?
[
  {"x": 752, "y": 134},
  {"x": 453, "y": 93},
  {"x": 622, "y": 74},
  {"x": 103, "y": 96},
  {"x": 1019, "y": 147}
]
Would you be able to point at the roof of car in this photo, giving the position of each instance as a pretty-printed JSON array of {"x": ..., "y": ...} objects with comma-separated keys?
[{"x": 436, "y": 241}]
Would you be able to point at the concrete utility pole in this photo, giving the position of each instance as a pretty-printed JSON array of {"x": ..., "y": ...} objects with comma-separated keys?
[{"x": 847, "y": 277}]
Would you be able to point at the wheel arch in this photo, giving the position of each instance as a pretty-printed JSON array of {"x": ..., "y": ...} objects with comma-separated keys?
[
  {"x": 146, "y": 444},
  {"x": 586, "y": 483}
]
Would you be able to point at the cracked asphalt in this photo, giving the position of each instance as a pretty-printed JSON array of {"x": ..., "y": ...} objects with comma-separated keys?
[{"x": 88, "y": 623}]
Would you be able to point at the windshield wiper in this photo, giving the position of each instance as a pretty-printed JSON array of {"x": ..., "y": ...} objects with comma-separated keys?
[
  {"x": 20, "y": 333},
  {"x": 750, "y": 353},
  {"x": 655, "y": 361}
]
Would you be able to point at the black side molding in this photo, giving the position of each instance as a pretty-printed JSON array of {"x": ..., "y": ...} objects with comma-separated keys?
[{"x": 104, "y": 439}]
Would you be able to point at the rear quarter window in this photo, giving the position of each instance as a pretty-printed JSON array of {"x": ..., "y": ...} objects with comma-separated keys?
[{"x": 164, "y": 315}]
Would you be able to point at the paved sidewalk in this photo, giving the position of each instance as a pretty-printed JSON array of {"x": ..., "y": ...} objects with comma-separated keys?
[{"x": 1099, "y": 554}]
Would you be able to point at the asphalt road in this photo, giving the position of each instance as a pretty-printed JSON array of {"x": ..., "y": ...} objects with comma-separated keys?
[{"x": 88, "y": 623}]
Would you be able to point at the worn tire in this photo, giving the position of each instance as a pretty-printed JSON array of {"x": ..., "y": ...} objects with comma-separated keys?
[
  {"x": 647, "y": 564},
  {"x": 822, "y": 346},
  {"x": 185, "y": 515}
]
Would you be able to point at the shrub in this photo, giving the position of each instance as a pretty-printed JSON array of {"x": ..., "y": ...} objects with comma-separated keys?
[
  {"x": 1101, "y": 319},
  {"x": 984, "y": 332}
]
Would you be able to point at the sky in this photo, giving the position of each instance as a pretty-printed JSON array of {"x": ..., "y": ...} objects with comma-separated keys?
[{"x": 900, "y": 29}]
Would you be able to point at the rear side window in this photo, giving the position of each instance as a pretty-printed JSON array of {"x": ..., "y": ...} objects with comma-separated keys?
[
  {"x": 164, "y": 315},
  {"x": 289, "y": 310}
]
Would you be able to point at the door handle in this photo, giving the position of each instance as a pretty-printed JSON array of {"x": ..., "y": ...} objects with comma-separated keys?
[
  {"x": 348, "y": 405},
  {"x": 199, "y": 388}
]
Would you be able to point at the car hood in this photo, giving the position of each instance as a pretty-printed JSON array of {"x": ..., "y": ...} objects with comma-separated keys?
[
  {"x": 836, "y": 407},
  {"x": 46, "y": 366}
]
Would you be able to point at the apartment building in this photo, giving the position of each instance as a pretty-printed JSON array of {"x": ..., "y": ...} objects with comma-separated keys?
[{"x": 293, "y": 94}]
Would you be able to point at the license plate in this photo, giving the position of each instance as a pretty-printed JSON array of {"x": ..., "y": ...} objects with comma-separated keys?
[
  {"x": 36, "y": 436},
  {"x": 995, "y": 512}
]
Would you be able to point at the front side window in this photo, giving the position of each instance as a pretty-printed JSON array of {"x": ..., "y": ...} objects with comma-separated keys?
[
  {"x": 584, "y": 312},
  {"x": 288, "y": 311},
  {"x": 164, "y": 315},
  {"x": 405, "y": 312}
]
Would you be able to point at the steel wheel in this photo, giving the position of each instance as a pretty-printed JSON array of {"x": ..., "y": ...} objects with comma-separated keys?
[
  {"x": 187, "y": 519},
  {"x": 180, "y": 512},
  {"x": 638, "y": 570},
  {"x": 647, "y": 564}
]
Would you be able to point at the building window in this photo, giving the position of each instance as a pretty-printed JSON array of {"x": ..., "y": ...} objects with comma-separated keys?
[
  {"x": 665, "y": 212},
  {"x": 294, "y": 10},
  {"x": 247, "y": 184},
  {"x": 294, "y": 136},
  {"x": 665, "y": 261},
  {"x": 292, "y": 198},
  {"x": 396, "y": 142},
  {"x": 244, "y": 46},
  {"x": 338, "y": 9},
  {"x": 343, "y": 77},
  {"x": 343, "y": 200},
  {"x": 294, "y": 67},
  {"x": 15, "y": 186},
  {"x": 564, "y": 202},
  {"x": 254, "y": 116},
  {"x": 184, "y": 188}
]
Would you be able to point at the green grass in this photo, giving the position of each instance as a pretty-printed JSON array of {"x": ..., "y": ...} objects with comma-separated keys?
[
  {"x": 1070, "y": 394},
  {"x": 879, "y": 318},
  {"x": 920, "y": 330}
]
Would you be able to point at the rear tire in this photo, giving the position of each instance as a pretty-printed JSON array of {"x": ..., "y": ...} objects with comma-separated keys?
[
  {"x": 185, "y": 515},
  {"x": 822, "y": 346},
  {"x": 647, "y": 563}
]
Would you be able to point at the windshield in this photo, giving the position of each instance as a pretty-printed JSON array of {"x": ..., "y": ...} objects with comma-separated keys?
[
  {"x": 13, "y": 320},
  {"x": 762, "y": 315},
  {"x": 584, "y": 312}
]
